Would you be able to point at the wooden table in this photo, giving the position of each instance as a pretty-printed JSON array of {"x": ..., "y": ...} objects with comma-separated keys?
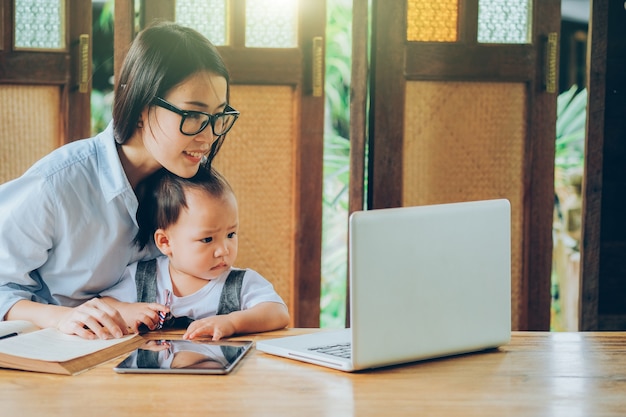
[{"x": 537, "y": 374}]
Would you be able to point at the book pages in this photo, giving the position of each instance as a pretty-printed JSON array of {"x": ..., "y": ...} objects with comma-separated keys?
[{"x": 54, "y": 346}]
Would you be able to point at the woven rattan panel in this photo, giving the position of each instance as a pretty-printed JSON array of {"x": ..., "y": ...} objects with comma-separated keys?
[
  {"x": 30, "y": 126},
  {"x": 465, "y": 141},
  {"x": 258, "y": 160}
]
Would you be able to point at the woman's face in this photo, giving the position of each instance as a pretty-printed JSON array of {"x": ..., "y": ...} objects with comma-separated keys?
[{"x": 162, "y": 138}]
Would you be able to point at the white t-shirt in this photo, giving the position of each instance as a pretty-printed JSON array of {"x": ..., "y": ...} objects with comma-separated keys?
[{"x": 204, "y": 302}]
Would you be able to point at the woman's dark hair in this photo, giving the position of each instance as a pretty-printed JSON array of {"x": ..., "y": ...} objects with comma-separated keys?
[
  {"x": 161, "y": 56},
  {"x": 164, "y": 198}
]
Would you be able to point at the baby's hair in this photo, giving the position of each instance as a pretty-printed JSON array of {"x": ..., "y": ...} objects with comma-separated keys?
[{"x": 164, "y": 198}]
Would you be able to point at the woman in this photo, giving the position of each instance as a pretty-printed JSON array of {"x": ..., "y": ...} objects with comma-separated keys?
[{"x": 67, "y": 225}]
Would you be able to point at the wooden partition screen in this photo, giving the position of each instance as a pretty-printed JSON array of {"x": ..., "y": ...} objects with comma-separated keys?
[
  {"x": 464, "y": 141},
  {"x": 26, "y": 138},
  {"x": 258, "y": 160}
]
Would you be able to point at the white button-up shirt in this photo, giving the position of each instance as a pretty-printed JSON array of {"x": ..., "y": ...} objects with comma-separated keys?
[{"x": 67, "y": 226}]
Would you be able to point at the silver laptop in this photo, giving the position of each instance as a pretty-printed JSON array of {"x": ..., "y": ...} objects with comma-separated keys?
[{"x": 425, "y": 282}]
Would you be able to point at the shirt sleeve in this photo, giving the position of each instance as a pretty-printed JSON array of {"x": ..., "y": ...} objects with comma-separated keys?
[
  {"x": 256, "y": 289},
  {"x": 28, "y": 221}
]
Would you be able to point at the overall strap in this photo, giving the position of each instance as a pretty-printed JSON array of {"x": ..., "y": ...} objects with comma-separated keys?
[
  {"x": 145, "y": 279},
  {"x": 230, "y": 299}
]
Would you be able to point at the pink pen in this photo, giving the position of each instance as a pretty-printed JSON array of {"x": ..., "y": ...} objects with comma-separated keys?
[{"x": 162, "y": 315}]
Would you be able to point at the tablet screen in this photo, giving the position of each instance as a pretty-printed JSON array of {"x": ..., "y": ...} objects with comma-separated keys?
[{"x": 185, "y": 357}]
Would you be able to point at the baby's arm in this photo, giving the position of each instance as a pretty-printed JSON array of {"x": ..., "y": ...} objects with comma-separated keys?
[
  {"x": 262, "y": 317},
  {"x": 136, "y": 314}
]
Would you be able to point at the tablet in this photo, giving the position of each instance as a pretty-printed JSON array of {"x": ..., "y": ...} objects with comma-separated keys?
[{"x": 185, "y": 357}]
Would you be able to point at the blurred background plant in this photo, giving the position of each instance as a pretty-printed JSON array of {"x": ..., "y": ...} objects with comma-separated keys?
[
  {"x": 570, "y": 128},
  {"x": 568, "y": 174},
  {"x": 102, "y": 63},
  {"x": 571, "y": 121},
  {"x": 336, "y": 163}
]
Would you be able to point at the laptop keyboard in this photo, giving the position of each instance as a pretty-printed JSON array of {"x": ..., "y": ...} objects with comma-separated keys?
[{"x": 342, "y": 350}]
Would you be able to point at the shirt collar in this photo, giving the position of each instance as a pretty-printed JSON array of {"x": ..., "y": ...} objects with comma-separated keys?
[{"x": 111, "y": 174}]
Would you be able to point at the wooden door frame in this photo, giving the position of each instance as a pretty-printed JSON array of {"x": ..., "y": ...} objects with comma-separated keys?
[
  {"x": 540, "y": 151},
  {"x": 79, "y": 106},
  {"x": 592, "y": 184},
  {"x": 602, "y": 266}
]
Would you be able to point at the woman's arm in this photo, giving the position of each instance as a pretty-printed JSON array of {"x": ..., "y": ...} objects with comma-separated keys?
[{"x": 90, "y": 320}]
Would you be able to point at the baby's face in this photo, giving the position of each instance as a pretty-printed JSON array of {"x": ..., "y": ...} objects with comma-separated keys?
[{"x": 203, "y": 242}]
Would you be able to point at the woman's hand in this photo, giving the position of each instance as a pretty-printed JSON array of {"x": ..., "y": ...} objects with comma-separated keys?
[{"x": 94, "y": 319}]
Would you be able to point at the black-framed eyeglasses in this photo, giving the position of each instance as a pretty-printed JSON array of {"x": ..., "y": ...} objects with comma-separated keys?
[{"x": 194, "y": 122}]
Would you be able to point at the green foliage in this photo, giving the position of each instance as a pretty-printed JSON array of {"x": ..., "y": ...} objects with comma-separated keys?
[
  {"x": 102, "y": 61},
  {"x": 336, "y": 163},
  {"x": 570, "y": 128},
  {"x": 568, "y": 166},
  {"x": 101, "y": 106},
  {"x": 338, "y": 65},
  {"x": 105, "y": 21},
  {"x": 334, "y": 231}
]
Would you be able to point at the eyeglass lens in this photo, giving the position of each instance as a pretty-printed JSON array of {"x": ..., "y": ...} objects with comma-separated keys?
[{"x": 196, "y": 122}]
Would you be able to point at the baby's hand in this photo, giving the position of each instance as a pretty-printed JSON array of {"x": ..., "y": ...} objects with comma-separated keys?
[
  {"x": 216, "y": 327},
  {"x": 136, "y": 314}
]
